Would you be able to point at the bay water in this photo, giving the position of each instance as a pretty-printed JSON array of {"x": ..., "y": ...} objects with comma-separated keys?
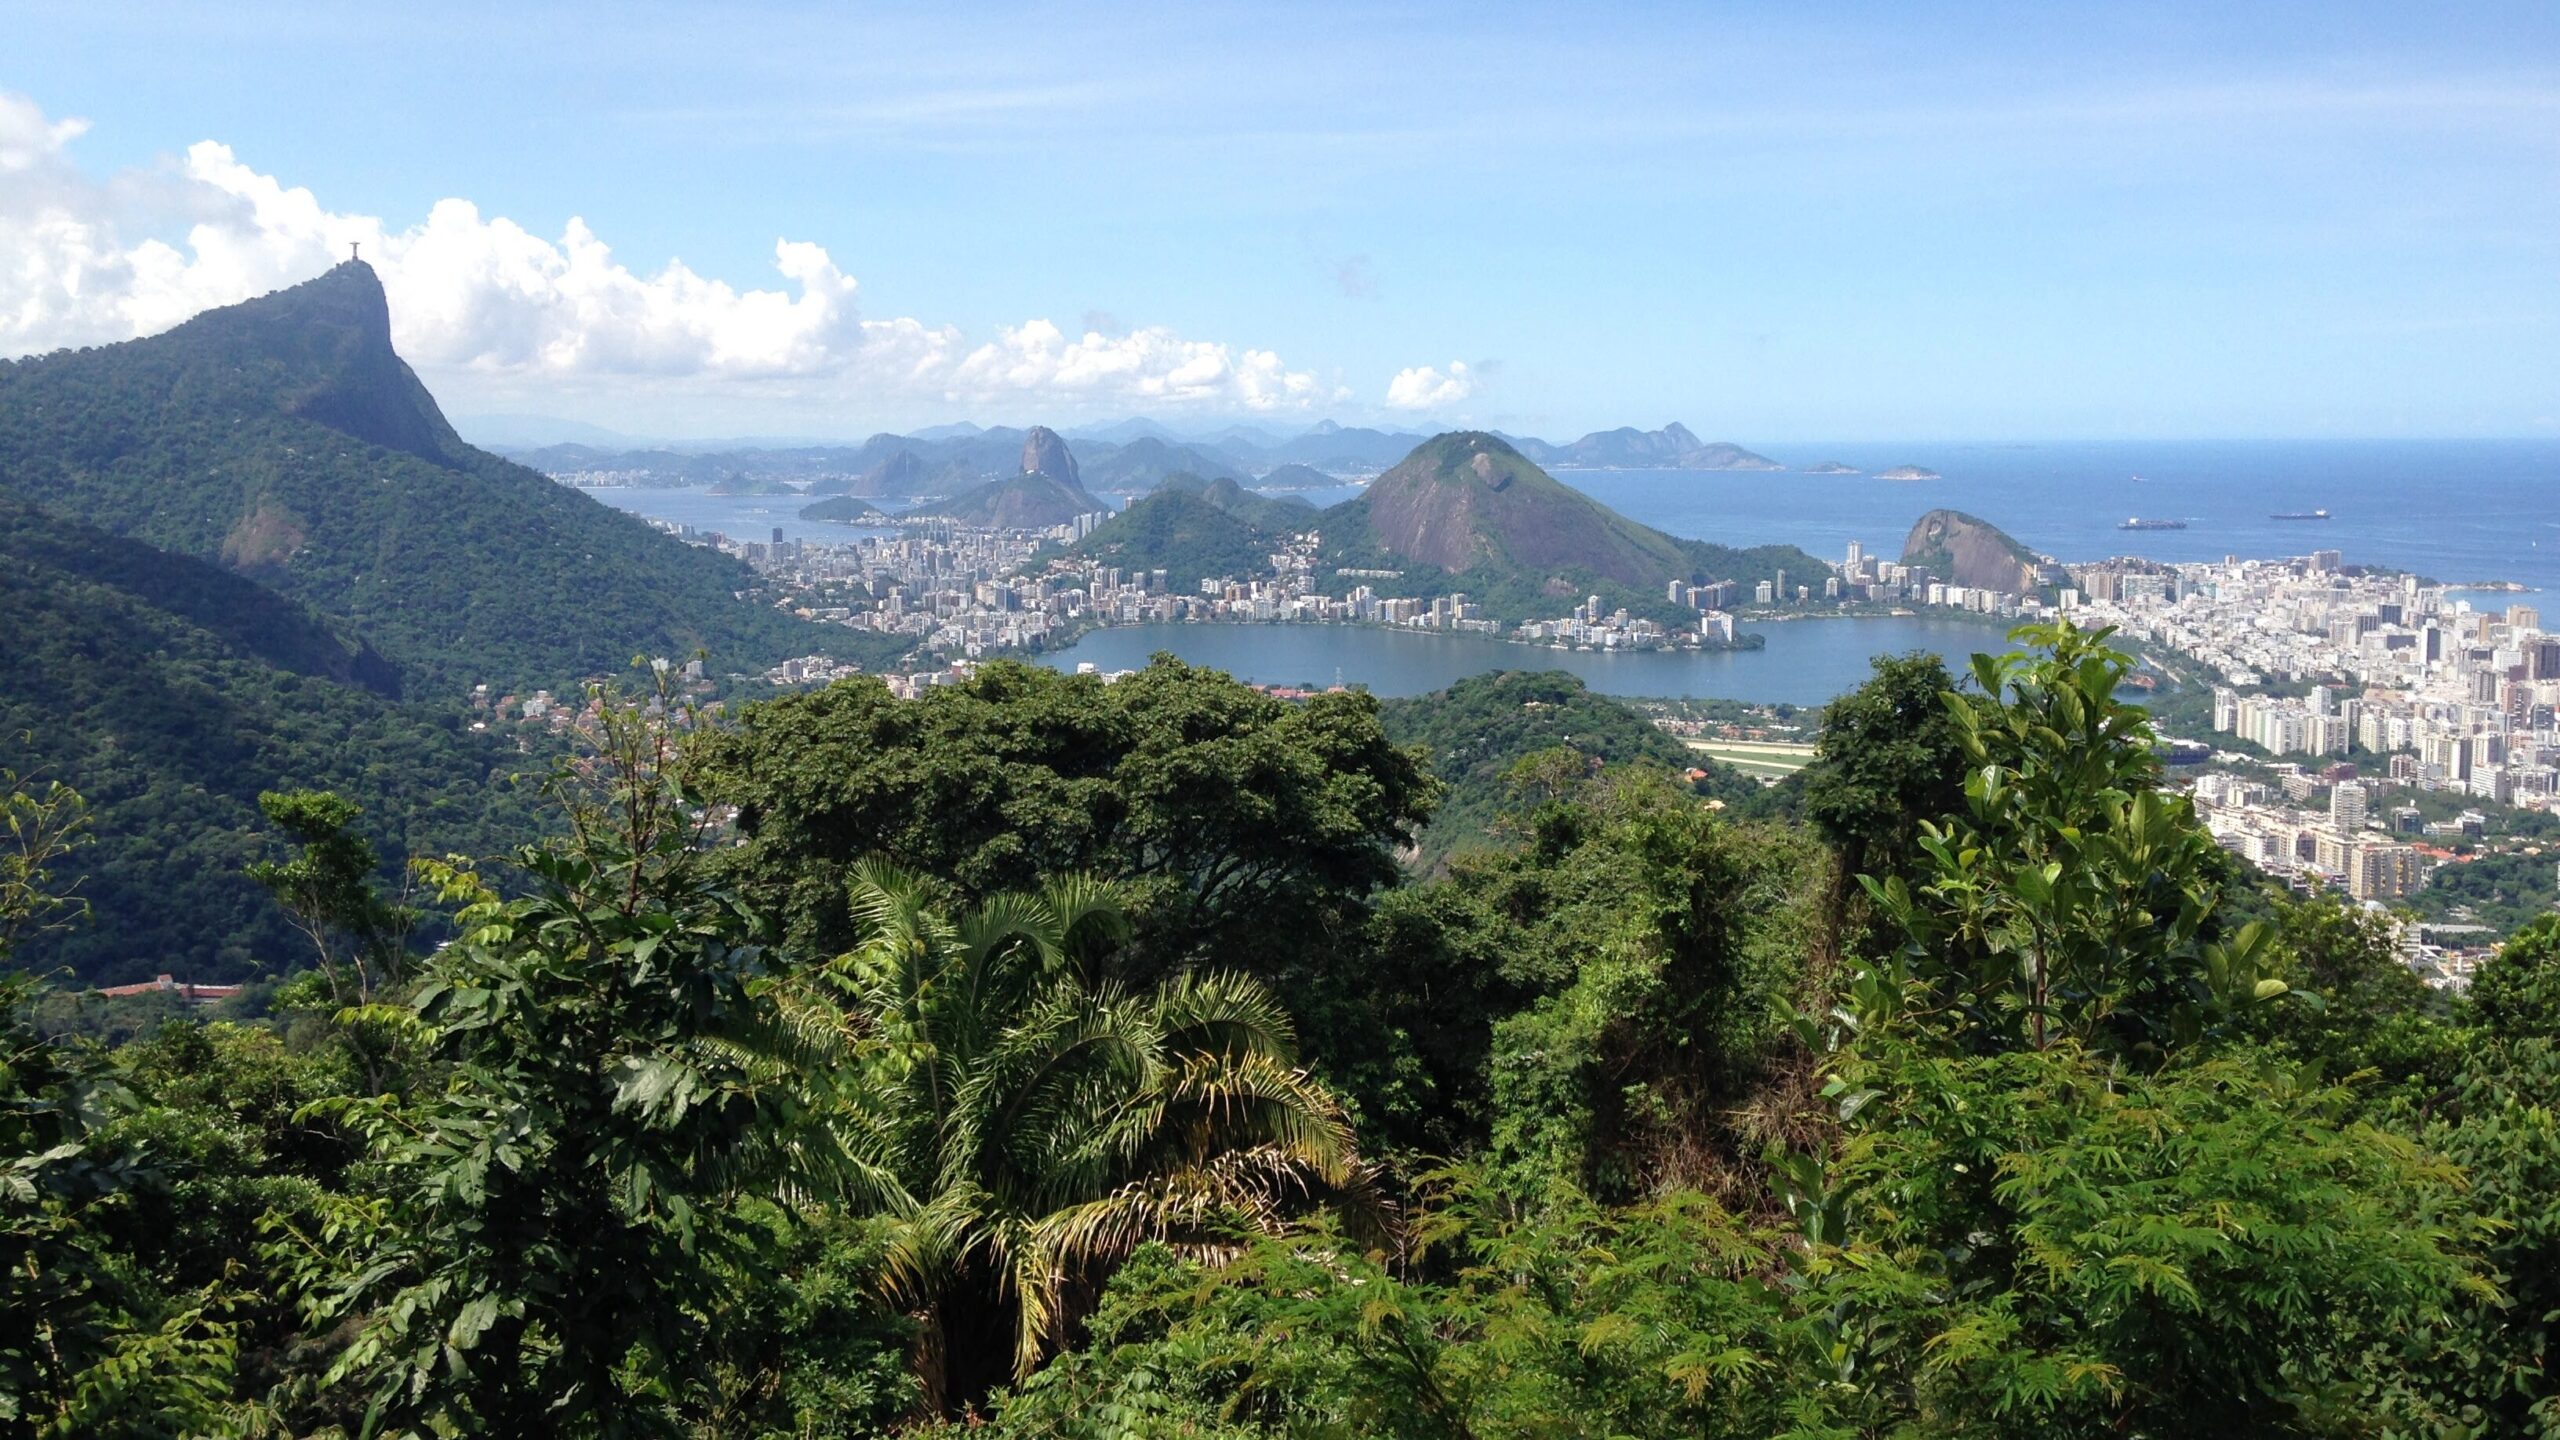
[{"x": 2457, "y": 511}]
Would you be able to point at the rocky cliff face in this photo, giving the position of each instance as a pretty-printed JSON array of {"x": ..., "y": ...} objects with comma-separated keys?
[
  {"x": 1962, "y": 549},
  {"x": 1044, "y": 453}
]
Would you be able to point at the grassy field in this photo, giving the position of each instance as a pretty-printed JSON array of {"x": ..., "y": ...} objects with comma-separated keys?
[{"x": 1759, "y": 759}]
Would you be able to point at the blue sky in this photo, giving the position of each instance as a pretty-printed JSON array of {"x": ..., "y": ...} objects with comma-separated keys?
[{"x": 1773, "y": 222}]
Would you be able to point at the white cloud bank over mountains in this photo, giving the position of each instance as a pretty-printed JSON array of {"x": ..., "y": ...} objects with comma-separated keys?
[
  {"x": 1425, "y": 387},
  {"x": 481, "y": 299}
]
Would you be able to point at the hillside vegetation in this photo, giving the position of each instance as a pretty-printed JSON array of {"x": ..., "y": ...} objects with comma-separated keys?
[
  {"x": 1181, "y": 534},
  {"x": 1042, "y": 1058},
  {"x": 171, "y": 693},
  {"x": 1502, "y": 742},
  {"x": 282, "y": 438}
]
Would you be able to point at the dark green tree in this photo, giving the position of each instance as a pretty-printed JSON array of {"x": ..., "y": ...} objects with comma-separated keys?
[
  {"x": 2516, "y": 995},
  {"x": 1501, "y": 1322},
  {"x": 1480, "y": 729},
  {"x": 2492, "y": 1367},
  {"x": 2072, "y": 897},
  {"x": 2364, "y": 1012},
  {"x": 2066, "y": 1197},
  {"x": 1242, "y": 828},
  {"x": 1891, "y": 756}
]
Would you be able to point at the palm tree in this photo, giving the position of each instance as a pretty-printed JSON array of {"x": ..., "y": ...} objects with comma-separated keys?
[{"x": 1030, "y": 1120}]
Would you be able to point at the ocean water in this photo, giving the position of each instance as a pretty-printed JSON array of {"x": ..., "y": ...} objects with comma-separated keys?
[
  {"x": 2459, "y": 511},
  {"x": 2462, "y": 512},
  {"x": 740, "y": 517}
]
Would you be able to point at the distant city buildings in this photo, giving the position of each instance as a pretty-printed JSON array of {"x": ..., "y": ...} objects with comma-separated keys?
[{"x": 2312, "y": 659}]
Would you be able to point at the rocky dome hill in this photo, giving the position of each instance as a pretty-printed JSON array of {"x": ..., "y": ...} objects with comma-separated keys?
[
  {"x": 1465, "y": 499},
  {"x": 1044, "y": 452},
  {"x": 1966, "y": 550},
  {"x": 1048, "y": 492},
  {"x": 1471, "y": 506}
]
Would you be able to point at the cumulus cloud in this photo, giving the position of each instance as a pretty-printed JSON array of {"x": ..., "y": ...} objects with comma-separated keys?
[
  {"x": 84, "y": 261},
  {"x": 1425, "y": 387}
]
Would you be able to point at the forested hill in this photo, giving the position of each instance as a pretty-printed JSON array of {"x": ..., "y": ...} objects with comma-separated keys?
[
  {"x": 1478, "y": 730},
  {"x": 284, "y": 439},
  {"x": 1468, "y": 512},
  {"x": 170, "y": 692}
]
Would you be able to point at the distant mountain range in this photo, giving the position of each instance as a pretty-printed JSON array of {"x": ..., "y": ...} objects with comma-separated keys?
[
  {"x": 1461, "y": 513},
  {"x": 1130, "y": 457},
  {"x": 1670, "y": 448}
]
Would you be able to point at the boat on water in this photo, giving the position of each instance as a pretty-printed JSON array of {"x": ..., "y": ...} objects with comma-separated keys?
[
  {"x": 2300, "y": 515},
  {"x": 2138, "y": 523}
]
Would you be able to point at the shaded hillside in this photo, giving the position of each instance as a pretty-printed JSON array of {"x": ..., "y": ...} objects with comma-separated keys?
[
  {"x": 1961, "y": 549},
  {"x": 1274, "y": 513},
  {"x": 1184, "y": 531},
  {"x": 284, "y": 439},
  {"x": 1467, "y": 512},
  {"x": 900, "y": 473},
  {"x": 1479, "y": 728},
  {"x": 1343, "y": 450},
  {"x": 1296, "y": 477},
  {"x": 1025, "y": 502},
  {"x": 170, "y": 692},
  {"x": 1145, "y": 462}
]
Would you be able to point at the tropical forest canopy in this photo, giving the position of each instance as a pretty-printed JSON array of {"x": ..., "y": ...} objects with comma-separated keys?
[{"x": 1065, "y": 1058}]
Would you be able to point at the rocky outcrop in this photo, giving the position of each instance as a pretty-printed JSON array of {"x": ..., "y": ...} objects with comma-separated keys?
[
  {"x": 1962, "y": 549},
  {"x": 1045, "y": 453}
]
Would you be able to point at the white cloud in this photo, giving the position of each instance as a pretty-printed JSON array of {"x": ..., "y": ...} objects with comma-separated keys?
[
  {"x": 1426, "y": 388},
  {"x": 482, "y": 298}
]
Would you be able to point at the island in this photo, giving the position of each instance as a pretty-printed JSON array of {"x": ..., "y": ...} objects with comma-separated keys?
[
  {"x": 1833, "y": 467},
  {"x": 844, "y": 510},
  {"x": 742, "y": 483},
  {"x": 1909, "y": 472}
]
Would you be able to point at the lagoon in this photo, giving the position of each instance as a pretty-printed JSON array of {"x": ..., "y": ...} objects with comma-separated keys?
[{"x": 1806, "y": 662}]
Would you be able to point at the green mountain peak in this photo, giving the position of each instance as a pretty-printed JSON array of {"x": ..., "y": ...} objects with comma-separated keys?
[{"x": 285, "y": 439}]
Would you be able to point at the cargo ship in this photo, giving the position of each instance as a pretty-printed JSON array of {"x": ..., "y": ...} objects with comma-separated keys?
[
  {"x": 2300, "y": 515},
  {"x": 2138, "y": 523}
]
